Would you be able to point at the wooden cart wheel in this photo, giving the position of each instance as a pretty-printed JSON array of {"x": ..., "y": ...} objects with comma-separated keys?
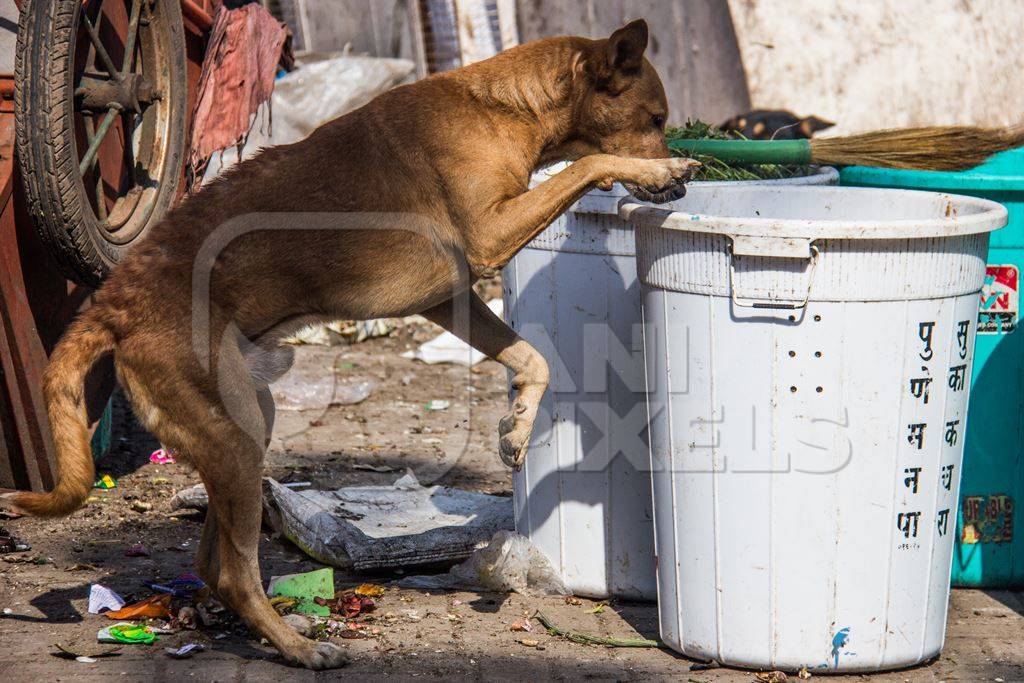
[{"x": 100, "y": 101}]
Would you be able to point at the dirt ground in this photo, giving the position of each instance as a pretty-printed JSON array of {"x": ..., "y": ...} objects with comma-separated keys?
[{"x": 414, "y": 635}]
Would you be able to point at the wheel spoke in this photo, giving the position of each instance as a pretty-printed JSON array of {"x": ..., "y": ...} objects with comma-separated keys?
[
  {"x": 97, "y": 140},
  {"x": 101, "y": 204},
  {"x": 97, "y": 44},
  {"x": 129, "y": 148},
  {"x": 133, "y": 32}
]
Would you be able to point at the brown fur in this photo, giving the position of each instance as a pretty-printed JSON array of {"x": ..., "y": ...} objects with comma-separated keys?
[{"x": 392, "y": 209}]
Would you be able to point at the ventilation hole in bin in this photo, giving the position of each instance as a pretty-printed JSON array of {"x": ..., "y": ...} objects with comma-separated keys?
[{"x": 792, "y": 390}]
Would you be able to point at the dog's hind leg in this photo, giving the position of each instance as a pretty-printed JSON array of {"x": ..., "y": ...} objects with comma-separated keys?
[
  {"x": 219, "y": 425},
  {"x": 232, "y": 472},
  {"x": 486, "y": 332}
]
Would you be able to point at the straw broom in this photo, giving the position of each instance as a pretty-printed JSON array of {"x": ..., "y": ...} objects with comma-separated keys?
[{"x": 930, "y": 148}]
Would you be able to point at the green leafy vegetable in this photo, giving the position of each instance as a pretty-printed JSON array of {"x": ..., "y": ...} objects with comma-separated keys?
[{"x": 714, "y": 169}]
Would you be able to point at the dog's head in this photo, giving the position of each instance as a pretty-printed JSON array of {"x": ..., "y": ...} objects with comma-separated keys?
[{"x": 620, "y": 107}]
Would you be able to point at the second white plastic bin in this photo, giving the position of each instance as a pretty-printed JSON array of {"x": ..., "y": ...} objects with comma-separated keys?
[{"x": 808, "y": 355}]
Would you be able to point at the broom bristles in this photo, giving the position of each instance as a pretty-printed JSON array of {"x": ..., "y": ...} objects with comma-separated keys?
[{"x": 930, "y": 148}]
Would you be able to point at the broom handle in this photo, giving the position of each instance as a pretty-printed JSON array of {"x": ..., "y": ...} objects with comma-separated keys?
[{"x": 749, "y": 151}]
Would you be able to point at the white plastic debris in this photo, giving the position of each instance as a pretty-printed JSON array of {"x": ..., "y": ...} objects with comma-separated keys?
[
  {"x": 102, "y": 598},
  {"x": 447, "y": 348},
  {"x": 316, "y": 388},
  {"x": 509, "y": 562},
  {"x": 321, "y": 88},
  {"x": 191, "y": 498},
  {"x": 399, "y": 525},
  {"x": 185, "y": 651}
]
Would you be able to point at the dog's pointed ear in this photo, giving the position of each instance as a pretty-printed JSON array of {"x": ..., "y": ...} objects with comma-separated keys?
[
  {"x": 622, "y": 57},
  {"x": 812, "y": 124}
]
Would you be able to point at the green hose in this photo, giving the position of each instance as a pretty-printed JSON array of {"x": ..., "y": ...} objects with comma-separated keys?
[{"x": 792, "y": 152}]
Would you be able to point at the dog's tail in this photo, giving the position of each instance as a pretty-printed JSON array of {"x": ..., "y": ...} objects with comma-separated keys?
[{"x": 86, "y": 340}]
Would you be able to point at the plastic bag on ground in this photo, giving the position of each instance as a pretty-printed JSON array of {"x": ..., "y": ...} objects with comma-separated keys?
[{"x": 510, "y": 562}]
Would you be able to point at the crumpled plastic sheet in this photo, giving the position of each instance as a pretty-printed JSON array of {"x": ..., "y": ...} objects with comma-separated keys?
[
  {"x": 377, "y": 527},
  {"x": 510, "y": 562}
]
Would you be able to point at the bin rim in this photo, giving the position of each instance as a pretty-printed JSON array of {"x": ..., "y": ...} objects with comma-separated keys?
[{"x": 991, "y": 216}]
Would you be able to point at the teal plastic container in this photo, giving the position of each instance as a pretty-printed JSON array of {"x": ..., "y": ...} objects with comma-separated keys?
[{"x": 989, "y": 547}]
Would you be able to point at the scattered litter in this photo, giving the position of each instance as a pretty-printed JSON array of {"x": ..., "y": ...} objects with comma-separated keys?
[
  {"x": 521, "y": 625},
  {"x": 79, "y": 653},
  {"x": 771, "y": 677},
  {"x": 587, "y": 639},
  {"x": 438, "y": 404},
  {"x": 447, "y": 348},
  {"x": 102, "y": 598},
  {"x": 105, "y": 482},
  {"x": 529, "y": 642},
  {"x": 386, "y": 526},
  {"x": 141, "y": 506},
  {"x": 305, "y": 588},
  {"x": 191, "y": 498},
  {"x": 598, "y": 609},
  {"x": 8, "y": 610},
  {"x": 10, "y": 544},
  {"x": 126, "y": 633},
  {"x": 137, "y": 550},
  {"x": 162, "y": 456},
  {"x": 184, "y": 652},
  {"x": 509, "y": 562},
  {"x": 573, "y": 600},
  {"x": 351, "y": 394},
  {"x": 317, "y": 388},
  {"x": 282, "y": 604},
  {"x": 374, "y": 468},
  {"x": 348, "y": 605},
  {"x": 153, "y": 607},
  {"x": 803, "y": 674},
  {"x": 81, "y": 567},
  {"x": 185, "y": 586},
  {"x": 10, "y": 514},
  {"x": 369, "y": 590},
  {"x": 186, "y": 618},
  {"x": 85, "y": 660}
]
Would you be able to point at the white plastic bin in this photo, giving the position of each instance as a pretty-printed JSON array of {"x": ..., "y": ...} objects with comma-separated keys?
[
  {"x": 808, "y": 355},
  {"x": 584, "y": 495}
]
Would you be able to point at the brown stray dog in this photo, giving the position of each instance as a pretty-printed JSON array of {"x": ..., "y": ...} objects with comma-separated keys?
[{"x": 393, "y": 209}]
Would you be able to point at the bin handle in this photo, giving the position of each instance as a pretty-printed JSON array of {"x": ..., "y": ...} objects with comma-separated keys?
[{"x": 736, "y": 249}]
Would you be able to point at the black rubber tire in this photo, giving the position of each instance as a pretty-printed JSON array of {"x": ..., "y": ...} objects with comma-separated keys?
[{"x": 45, "y": 133}]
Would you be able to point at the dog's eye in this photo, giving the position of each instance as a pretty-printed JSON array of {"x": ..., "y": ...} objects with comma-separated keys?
[{"x": 658, "y": 121}]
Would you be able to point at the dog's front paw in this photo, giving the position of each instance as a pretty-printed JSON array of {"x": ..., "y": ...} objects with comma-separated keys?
[
  {"x": 662, "y": 180},
  {"x": 326, "y": 656},
  {"x": 514, "y": 437}
]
